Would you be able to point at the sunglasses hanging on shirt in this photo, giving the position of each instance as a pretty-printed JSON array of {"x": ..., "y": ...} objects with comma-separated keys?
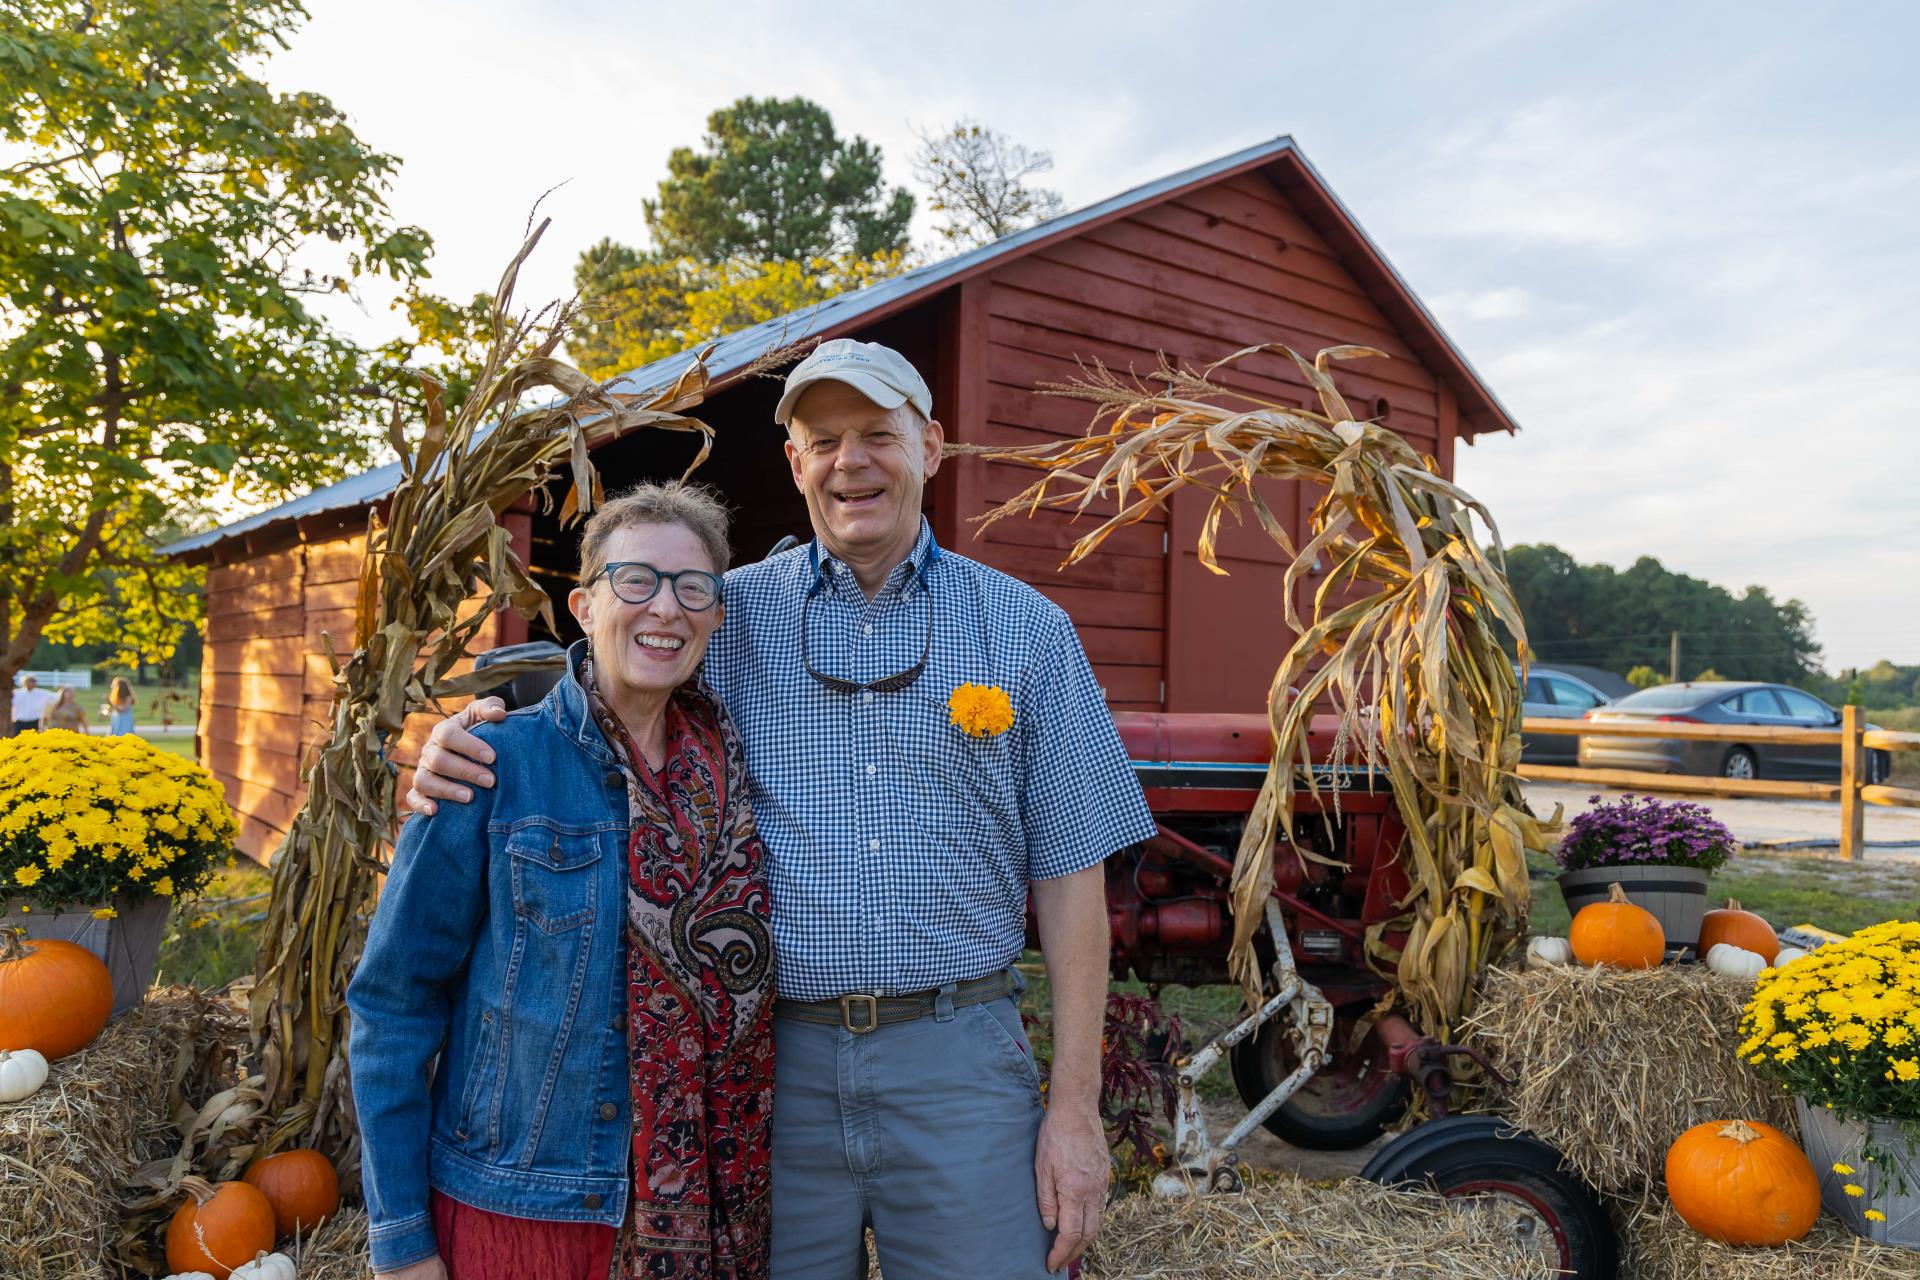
[{"x": 886, "y": 684}]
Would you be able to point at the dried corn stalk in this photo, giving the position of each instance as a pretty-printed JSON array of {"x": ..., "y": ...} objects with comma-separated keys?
[
  {"x": 435, "y": 575},
  {"x": 1403, "y": 641}
]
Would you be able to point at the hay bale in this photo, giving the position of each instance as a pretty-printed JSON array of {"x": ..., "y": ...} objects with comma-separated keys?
[
  {"x": 337, "y": 1251},
  {"x": 1291, "y": 1227},
  {"x": 1656, "y": 1245},
  {"x": 1611, "y": 1065},
  {"x": 67, "y": 1151}
]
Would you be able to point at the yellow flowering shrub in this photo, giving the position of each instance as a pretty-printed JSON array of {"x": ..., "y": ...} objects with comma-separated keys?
[
  {"x": 1841, "y": 1026},
  {"x": 84, "y": 819},
  {"x": 982, "y": 710}
]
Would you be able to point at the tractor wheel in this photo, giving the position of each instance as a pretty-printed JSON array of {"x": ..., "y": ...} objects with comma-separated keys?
[
  {"x": 1518, "y": 1178},
  {"x": 1346, "y": 1104}
]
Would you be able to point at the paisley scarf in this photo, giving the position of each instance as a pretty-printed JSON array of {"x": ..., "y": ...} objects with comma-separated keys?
[{"x": 699, "y": 1001}]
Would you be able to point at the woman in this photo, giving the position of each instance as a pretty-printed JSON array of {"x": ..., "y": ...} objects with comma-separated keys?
[
  {"x": 65, "y": 712},
  {"x": 586, "y": 949},
  {"x": 119, "y": 706}
]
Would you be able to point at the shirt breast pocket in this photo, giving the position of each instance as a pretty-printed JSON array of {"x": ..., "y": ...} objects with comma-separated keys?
[
  {"x": 965, "y": 786},
  {"x": 555, "y": 877}
]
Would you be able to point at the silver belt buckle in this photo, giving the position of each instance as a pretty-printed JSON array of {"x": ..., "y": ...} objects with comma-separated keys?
[{"x": 849, "y": 1003}]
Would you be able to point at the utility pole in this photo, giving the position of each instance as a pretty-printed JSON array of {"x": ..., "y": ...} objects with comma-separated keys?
[{"x": 1673, "y": 658}]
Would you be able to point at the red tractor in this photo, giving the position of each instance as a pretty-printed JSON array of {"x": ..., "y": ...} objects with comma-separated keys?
[{"x": 1296, "y": 1061}]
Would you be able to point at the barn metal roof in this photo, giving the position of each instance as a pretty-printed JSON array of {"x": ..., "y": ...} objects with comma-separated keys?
[{"x": 733, "y": 353}]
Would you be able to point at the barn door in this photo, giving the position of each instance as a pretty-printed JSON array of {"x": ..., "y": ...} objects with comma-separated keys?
[{"x": 1226, "y": 635}]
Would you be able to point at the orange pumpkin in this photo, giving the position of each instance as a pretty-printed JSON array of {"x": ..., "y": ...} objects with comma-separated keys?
[
  {"x": 301, "y": 1187},
  {"x": 218, "y": 1228},
  {"x": 1742, "y": 1182},
  {"x": 54, "y": 996},
  {"x": 1737, "y": 928},
  {"x": 1618, "y": 933}
]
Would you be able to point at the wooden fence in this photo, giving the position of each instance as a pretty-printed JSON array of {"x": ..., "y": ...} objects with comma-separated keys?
[{"x": 1853, "y": 791}]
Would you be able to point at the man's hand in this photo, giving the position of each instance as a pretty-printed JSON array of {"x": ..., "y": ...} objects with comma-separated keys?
[
  {"x": 1070, "y": 1161},
  {"x": 425, "y": 1269},
  {"x": 453, "y": 756},
  {"x": 1071, "y": 1166}
]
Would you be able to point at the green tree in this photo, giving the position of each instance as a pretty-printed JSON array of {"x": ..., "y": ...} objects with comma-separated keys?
[
  {"x": 1645, "y": 677},
  {"x": 773, "y": 181},
  {"x": 166, "y": 220},
  {"x": 978, "y": 180},
  {"x": 655, "y": 309},
  {"x": 1623, "y": 619}
]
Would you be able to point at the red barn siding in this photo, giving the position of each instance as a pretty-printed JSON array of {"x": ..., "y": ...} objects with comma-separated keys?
[
  {"x": 1196, "y": 277},
  {"x": 266, "y": 690}
]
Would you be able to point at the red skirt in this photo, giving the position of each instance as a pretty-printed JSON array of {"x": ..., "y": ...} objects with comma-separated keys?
[{"x": 477, "y": 1245}]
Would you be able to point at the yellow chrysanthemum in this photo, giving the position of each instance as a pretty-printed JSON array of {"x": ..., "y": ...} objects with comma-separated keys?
[
  {"x": 1854, "y": 1189},
  {"x": 1843, "y": 1169},
  {"x": 1874, "y": 1215},
  {"x": 28, "y": 875},
  {"x": 981, "y": 710}
]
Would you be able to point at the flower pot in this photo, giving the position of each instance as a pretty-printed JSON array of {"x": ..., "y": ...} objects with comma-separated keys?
[
  {"x": 1890, "y": 1182},
  {"x": 1677, "y": 896},
  {"x": 129, "y": 942}
]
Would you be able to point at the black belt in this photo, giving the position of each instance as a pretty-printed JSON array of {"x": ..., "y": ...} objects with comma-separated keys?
[{"x": 861, "y": 1013}]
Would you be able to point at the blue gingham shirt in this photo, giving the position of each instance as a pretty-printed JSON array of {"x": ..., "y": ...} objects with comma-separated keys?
[{"x": 901, "y": 848}]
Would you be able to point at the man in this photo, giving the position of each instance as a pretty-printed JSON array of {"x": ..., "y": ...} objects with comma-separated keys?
[
  {"x": 30, "y": 702},
  {"x": 927, "y": 744}
]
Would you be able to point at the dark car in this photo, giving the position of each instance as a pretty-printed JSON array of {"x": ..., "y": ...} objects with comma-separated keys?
[
  {"x": 1725, "y": 703},
  {"x": 1555, "y": 695}
]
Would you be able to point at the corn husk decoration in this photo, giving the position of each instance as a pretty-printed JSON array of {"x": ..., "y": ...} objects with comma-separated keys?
[
  {"x": 436, "y": 573},
  {"x": 1403, "y": 641}
]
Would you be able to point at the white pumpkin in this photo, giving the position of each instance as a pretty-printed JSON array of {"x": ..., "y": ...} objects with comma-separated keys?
[
  {"x": 1736, "y": 962},
  {"x": 22, "y": 1072},
  {"x": 266, "y": 1266},
  {"x": 192, "y": 1275},
  {"x": 1548, "y": 951},
  {"x": 1787, "y": 956}
]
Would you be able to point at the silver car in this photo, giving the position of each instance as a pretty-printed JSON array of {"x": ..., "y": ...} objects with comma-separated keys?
[
  {"x": 1725, "y": 703},
  {"x": 1555, "y": 695}
]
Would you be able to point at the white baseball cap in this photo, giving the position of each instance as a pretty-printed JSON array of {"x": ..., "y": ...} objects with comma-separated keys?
[{"x": 879, "y": 373}]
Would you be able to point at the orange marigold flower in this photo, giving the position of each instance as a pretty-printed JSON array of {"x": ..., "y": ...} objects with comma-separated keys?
[{"x": 981, "y": 710}]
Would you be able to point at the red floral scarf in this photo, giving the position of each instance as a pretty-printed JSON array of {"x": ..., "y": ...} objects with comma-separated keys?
[{"x": 699, "y": 1000}]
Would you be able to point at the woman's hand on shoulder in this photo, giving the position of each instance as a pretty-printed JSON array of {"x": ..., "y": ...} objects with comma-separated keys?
[{"x": 425, "y": 1269}]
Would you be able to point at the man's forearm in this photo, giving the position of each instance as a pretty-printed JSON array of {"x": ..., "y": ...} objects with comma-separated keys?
[{"x": 1072, "y": 914}]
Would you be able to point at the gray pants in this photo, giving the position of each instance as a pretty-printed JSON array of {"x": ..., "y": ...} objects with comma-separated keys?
[{"x": 923, "y": 1131}]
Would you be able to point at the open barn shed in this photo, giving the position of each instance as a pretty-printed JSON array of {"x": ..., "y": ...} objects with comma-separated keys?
[{"x": 1253, "y": 247}]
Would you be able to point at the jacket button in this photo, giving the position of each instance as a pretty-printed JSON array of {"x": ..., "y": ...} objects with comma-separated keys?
[
  {"x": 619, "y": 1022},
  {"x": 554, "y": 853},
  {"x": 607, "y": 1112},
  {"x": 614, "y": 779},
  {"x": 592, "y": 1202}
]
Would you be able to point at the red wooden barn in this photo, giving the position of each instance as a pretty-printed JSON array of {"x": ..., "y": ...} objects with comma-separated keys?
[{"x": 1252, "y": 247}]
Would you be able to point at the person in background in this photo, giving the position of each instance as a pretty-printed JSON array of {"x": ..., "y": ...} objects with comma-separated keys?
[
  {"x": 119, "y": 706},
  {"x": 30, "y": 702},
  {"x": 586, "y": 950},
  {"x": 64, "y": 712}
]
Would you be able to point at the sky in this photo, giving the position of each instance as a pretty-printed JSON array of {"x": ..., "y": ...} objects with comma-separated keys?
[{"x": 1678, "y": 240}]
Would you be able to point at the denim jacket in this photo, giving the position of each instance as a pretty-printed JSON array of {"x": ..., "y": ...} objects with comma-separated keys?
[{"x": 498, "y": 949}]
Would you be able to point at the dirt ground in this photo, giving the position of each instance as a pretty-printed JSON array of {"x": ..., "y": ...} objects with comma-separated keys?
[{"x": 1262, "y": 1150}]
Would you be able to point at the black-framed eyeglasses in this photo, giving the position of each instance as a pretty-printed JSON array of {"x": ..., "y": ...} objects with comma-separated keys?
[
  {"x": 637, "y": 582},
  {"x": 885, "y": 684}
]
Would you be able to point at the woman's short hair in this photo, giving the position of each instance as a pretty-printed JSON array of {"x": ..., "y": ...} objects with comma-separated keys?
[{"x": 694, "y": 507}]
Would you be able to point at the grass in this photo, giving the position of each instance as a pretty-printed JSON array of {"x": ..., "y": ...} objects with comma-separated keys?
[
  {"x": 1835, "y": 895},
  {"x": 179, "y": 744},
  {"x": 211, "y": 938}
]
